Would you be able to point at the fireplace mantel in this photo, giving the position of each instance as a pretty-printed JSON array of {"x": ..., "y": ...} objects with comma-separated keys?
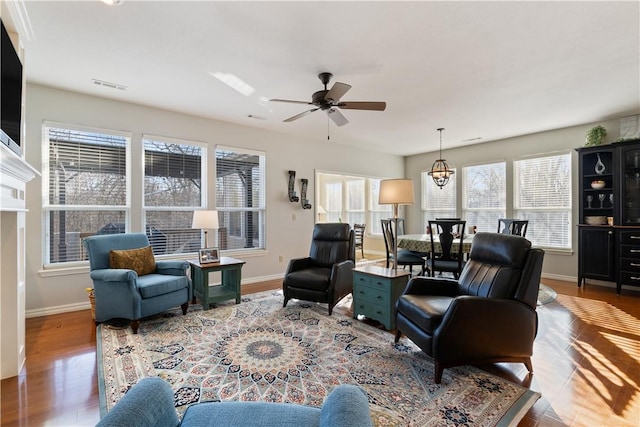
[{"x": 15, "y": 172}]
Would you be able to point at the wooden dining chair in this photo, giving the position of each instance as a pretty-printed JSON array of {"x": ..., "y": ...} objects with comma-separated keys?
[
  {"x": 516, "y": 227},
  {"x": 358, "y": 230},
  {"x": 405, "y": 256},
  {"x": 446, "y": 260}
]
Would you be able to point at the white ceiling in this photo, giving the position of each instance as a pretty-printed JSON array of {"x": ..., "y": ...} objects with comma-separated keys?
[{"x": 487, "y": 70}]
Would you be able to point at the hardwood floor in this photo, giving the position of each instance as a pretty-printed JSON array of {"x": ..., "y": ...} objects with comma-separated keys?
[{"x": 586, "y": 361}]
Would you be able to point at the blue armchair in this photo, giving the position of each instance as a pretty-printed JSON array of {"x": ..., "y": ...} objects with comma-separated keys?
[{"x": 124, "y": 294}]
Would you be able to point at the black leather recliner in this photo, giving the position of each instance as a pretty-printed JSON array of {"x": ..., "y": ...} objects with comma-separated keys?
[
  {"x": 488, "y": 315},
  {"x": 326, "y": 275}
]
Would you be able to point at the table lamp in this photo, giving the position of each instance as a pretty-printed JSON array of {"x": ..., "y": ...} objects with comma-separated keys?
[
  {"x": 205, "y": 220},
  {"x": 396, "y": 192}
]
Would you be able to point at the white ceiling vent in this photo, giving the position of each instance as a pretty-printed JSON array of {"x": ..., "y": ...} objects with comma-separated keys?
[{"x": 108, "y": 84}]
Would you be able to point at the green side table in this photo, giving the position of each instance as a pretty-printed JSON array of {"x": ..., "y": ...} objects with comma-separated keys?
[
  {"x": 375, "y": 292},
  {"x": 231, "y": 270}
]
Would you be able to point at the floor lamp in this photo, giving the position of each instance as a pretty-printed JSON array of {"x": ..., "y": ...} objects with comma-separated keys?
[
  {"x": 396, "y": 192},
  {"x": 205, "y": 220}
]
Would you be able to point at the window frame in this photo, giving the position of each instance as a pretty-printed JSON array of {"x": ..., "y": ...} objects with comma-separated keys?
[
  {"x": 568, "y": 179},
  {"x": 431, "y": 213},
  {"x": 225, "y": 211},
  {"x": 48, "y": 208}
]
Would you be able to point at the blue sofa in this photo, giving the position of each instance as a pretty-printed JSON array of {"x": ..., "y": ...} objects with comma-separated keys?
[{"x": 150, "y": 404}]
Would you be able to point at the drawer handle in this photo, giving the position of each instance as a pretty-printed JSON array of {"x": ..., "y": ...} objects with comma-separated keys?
[
  {"x": 634, "y": 251},
  {"x": 362, "y": 293},
  {"x": 379, "y": 312},
  {"x": 633, "y": 264},
  {"x": 635, "y": 237},
  {"x": 379, "y": 297},
  {"x": 635, "y": 278}
]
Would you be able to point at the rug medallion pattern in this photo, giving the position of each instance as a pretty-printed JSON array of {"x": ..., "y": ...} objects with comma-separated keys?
[{"x": 258, "y": 350}]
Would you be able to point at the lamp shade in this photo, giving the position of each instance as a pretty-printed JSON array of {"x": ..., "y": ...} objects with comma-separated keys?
[
  {"x": 396, "y": 192},
  {"x": 205, "y": 220}
]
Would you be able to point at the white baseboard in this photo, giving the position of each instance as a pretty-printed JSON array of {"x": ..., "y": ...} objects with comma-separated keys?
[{"x": 67, "y": 308}]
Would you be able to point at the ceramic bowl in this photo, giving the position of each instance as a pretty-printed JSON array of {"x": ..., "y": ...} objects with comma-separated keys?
[{"x": 598, "y": 184}]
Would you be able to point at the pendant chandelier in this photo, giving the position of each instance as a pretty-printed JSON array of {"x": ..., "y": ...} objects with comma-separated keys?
[{"x": 440, "y": 170}]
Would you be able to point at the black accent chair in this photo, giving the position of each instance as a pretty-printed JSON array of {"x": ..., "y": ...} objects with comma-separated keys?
[
  {"x": 487, "y": 316},
  {"x": 449, "y": 231},
  {"x": 405, "y": 256},
  {"x": 517, "y": 227},
  {"x": 326, "y": 275}
]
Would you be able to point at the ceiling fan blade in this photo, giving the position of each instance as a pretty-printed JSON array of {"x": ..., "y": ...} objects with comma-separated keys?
[
  {"x": 337, "y": 117},
  {"x": 337, "y": 91},
  {"x": 362, "y": 105},
  {"x": 291, "y": 101},
  {"x": 297, "y": 116}
]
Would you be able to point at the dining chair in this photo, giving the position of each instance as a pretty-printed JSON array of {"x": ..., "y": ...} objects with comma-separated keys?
[
  {"x": 516, "y": 227},
  {"x": 405, "y": 256},
  {"x": 358, "y": 230},
  {"x": 446, "y": 260}
]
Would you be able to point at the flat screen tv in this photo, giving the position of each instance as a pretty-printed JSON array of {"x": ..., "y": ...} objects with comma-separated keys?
[{"x": 10, "y": 93}]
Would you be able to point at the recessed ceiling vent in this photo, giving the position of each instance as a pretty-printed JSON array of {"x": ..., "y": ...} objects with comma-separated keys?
[{"x": 109, "y": 84}]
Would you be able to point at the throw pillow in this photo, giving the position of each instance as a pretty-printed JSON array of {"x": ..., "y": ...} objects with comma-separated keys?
[{"x": 141, "y": 260}]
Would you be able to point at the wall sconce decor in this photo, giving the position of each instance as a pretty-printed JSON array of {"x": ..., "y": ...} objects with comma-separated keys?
[
  {"x": 303, "y": 193},
  {"x": 292, "y": 193}
]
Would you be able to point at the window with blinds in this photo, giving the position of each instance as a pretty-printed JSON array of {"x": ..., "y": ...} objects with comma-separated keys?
[
  {"x": 377, "y": 212},
  {"x": 86, "y": 189},
  {"x": 542, "y": 195},
  {"x": 437, "y": 202},
  {"x": 240, "y": 198},
  {"x": 484, "y": 195},
  {"x": 174, "y": 177},
  {"x": 350, "y": 199}
]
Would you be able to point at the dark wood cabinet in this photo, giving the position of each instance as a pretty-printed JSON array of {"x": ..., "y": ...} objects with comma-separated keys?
[
  {"x": 609, "y": 215},
  {"x": 599, "y": 261}
]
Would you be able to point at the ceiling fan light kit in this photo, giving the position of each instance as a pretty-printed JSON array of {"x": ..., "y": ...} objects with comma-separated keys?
[
  {"x": 440, "y": 171},
  {"x": 329, "y": 100}
]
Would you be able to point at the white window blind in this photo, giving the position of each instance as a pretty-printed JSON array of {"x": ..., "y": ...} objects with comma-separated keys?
[
  {"x": 484, "y": 195},
  {"x": 542, "y": 195},
  {"x": 437, "y": 202},
  {"x": 351, "y": 199},
  {"x": 85, "y": 189},
  {"x": 240, "y": 198},
  {"x": 377, "y": 211},
  {"x": 355, "y": 201},
  {"x": 174, "y": 184}
]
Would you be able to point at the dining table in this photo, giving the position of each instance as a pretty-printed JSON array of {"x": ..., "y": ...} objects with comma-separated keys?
[{"x": 422, "y": 243}]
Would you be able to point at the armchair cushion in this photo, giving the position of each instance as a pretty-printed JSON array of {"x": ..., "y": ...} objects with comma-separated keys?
[
  {"x": 314, "y": 278},
  {"x": 152, "y": 285},
  {"x": 140, "y": 260}
]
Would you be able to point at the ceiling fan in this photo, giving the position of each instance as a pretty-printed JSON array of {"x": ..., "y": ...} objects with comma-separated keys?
[{"x": 329, "y": 101}]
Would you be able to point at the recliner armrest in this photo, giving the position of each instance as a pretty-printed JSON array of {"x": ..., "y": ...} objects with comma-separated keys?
[
  {"x": 297, "y": 264},
  {"x": 113, "y": 275},
  {"x": 431, "y": 286},
  {"x": 478, "y": 325}
]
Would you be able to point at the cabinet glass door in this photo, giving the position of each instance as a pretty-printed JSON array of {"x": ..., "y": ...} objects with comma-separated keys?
[{"x": 630, "y": 191}]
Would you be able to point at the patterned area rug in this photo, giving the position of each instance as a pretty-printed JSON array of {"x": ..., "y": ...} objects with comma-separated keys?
[{"x": 258, "y": 350}]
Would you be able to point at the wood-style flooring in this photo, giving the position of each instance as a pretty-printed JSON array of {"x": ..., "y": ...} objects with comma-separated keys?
[{"x": 586, "y": 363}]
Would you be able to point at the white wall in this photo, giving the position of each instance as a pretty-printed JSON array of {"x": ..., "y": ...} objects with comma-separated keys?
[
  {"x": 53, "y": 291},
  {"x": 556, "y": 265}
]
